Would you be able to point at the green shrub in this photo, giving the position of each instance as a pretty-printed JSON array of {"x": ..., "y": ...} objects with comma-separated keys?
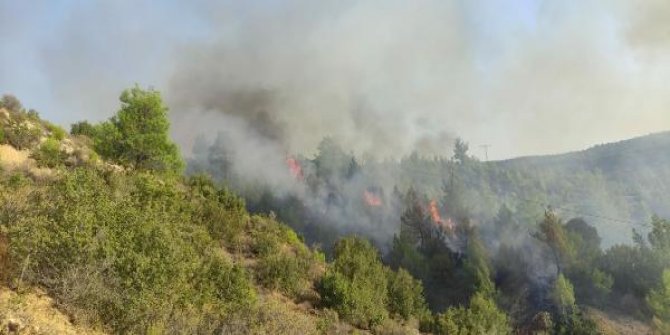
[
  {"x": 355, "y": 283},
  {"x": 226, "y": 284},
  {"x": 562, "y": 294},
  {"x": 56, "y": 131},
  {"x": 123, "y": 249},
  {"x": 221, "y": 211},
  {"x": 83, "y": 128},
  {"x": 33, "y": 115},
  {"x": 2, "y": 134},
  {"x": 138, "y": 135},
  {"x": 659, "y": 302},
  {"x": 575, "y": 323},
  {"x": 49, "y": 154},
  {"x": 405, "y": 295},
  {"x": 481, "y": 317},
  {"x": 289, "y": 271},
  {"x": 22, "y": 134},
  {"x": 17, "y": 180},
  {"x": 266, "y": 236}
]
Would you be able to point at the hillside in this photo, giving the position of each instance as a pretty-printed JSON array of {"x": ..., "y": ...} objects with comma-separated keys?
[
  {"x": 92, "y": 244},
  {"x": 102, "y": 232},
  {"x": 632, "y": 178}
]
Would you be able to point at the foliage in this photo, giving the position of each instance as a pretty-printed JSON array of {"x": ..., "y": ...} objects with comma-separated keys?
[
  {"x": 602, "y": 281},
  {"x": 659, "y": 302},
  {"x": 575, "y": 323},
  {"x": 481, "y": 317},
  {"x": 137, "y": 136},
  {"x": 218, "y": 209},
  {"x": 49, "y": 154},
  {"x": 123, "y": 248},
  {"x": 55, "y": 131},
  {"x": 287, "y": 265},
  {"x": 477, "y": 265},
  {"x": 461, "y": 152},
  {"x": 355, "y": 283},
  {"x": 21, "y": 133},
  {"x": 552, "y": 232},
  {"x": 83, "y": 128},
  {"x": 405, "y": 295},
  {"x": 563, "y": 295}
]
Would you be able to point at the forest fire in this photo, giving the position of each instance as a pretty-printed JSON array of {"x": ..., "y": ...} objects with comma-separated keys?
[
  {"x": 437, "y": 219},
  {"x": 372, "y": 199},
  {"x": 294, "y": 168}
]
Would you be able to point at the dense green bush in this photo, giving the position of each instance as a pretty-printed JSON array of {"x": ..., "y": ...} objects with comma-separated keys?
[
  {"x": 221, "y": 211},
  {"x": 49, "y": 154},
  {"x": 562, "y": 294},
  {"x": 355, "y": 283},
  {"x": 659, "y": 302},
  {"x": 82, "y": 128},
  {"x": 284, "y": 262},
  {"x": 138, "y": 135},
  {"x": 55, "y": 131},
  {"x": 575, "y": 323},
  {"x": 291, "y": 271},
  {"x": 123, "y": 248},
  {"x": 405, "y": 295},
  {"x": 481, "y": 317}
]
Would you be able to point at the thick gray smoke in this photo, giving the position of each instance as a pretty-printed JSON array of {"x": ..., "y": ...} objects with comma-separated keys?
[
  {"x": 385, "y": 77},
  {"x": 376, "y": 76}
]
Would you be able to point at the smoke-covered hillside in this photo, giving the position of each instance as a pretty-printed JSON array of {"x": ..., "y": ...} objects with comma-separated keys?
[
  {"x": 538, "y": 224},
  {"x": 616, "y": 187}
]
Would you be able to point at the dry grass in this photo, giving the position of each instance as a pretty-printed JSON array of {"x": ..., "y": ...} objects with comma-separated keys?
[
  {"x": 12, "y": 159},
  {"x": 609, "y": 324},
  {"x": 34, "y": 313}
]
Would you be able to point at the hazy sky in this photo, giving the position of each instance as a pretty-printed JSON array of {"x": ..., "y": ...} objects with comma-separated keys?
[{"x": 525, "y": 76}]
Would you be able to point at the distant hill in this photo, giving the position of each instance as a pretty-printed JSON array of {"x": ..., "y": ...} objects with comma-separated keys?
[
  {"x": 617, "y": 160},
  {"x": 615, "y": 186}
]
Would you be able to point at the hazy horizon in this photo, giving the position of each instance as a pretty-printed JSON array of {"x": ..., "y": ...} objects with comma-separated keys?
[{"x": 527, "y": 77}]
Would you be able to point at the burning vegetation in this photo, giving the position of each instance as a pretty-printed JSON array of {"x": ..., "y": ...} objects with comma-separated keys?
[
  {"x": 294, "y": 168},
  {"x": 372, "y": 199},
  {"x": 525, "y": 260}
]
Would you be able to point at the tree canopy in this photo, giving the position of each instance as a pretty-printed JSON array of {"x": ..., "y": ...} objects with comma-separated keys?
[{"x": 138, "y": 135}]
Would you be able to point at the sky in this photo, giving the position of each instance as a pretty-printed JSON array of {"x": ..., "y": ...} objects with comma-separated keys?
[{"x": 385, "y": 78}]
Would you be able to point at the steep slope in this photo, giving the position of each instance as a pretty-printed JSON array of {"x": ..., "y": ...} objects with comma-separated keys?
[{"x": 88, "y": 246}]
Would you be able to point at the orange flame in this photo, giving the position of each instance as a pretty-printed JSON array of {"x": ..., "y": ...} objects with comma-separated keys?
[
  {"x": 372, "y": 199},
  {"x": 434, "y": 213},
  {"x": 437, "y": 219},
  {"x": 294, "y": 167}
]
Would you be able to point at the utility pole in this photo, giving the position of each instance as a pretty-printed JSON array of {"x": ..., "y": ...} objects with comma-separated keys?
[{"x": 486, "y": 150}]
